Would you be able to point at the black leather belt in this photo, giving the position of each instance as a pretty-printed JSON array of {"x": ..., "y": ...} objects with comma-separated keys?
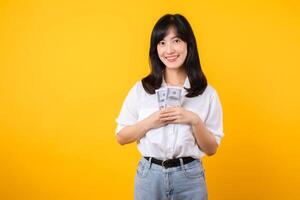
[{"x": 171, "y": 162}]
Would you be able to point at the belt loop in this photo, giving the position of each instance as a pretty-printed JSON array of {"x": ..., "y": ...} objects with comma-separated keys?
[
  {"x": 150, "y": 163},
  {"x": 181, "y": 164},
  {"x": 202, "y": 165}
]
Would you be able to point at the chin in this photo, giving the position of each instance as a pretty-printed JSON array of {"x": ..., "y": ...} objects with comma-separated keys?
[{"x": 173, "y": 66}]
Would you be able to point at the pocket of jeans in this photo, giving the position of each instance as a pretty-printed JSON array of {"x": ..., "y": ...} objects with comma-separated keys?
[
  {"x": 194, "y": 172},
  {"x": 142, "y": 170}
]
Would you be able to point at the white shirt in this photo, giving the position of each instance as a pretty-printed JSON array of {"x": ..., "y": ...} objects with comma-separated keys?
[{"x": 172, "y": 140}]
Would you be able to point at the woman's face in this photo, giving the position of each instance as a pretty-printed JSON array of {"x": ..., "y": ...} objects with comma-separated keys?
[{"x": 172, "y": 51}]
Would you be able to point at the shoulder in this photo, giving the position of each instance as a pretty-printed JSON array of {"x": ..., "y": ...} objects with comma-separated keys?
[
  {"x": 136, "y": 90},
  {"x": 210, "y": 91},
  {"x": 137, "y": 87},
  {"x": 138, "y": 84}
]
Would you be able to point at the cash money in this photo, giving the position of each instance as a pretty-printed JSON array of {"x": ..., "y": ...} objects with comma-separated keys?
[
  {"x": 161, "y": 97},
  {"x": 173, "y": 97},
  {"x": 170, "y": 96}
]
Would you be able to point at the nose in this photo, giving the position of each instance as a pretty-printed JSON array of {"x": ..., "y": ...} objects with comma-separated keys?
[{"x": 170, "y": 48}]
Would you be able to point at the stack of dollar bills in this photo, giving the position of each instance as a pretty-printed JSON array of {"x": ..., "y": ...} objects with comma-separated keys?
[{"x": 170, "y": 96}]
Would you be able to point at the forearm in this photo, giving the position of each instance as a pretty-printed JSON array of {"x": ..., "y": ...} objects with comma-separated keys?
[
  {"x": 205, "y": 140},
  {"x": 134, "y": 132}
]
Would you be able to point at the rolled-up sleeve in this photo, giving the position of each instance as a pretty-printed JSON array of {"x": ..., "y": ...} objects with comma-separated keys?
[
  {"x": 129, "y": 111},
  {"x": 214, "y": 120}
]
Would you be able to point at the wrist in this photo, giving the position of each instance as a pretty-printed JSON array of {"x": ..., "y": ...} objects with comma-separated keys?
[
  {"x": 142, "y": 128},
  {"x": 195, "y": 120},
  {"x": 146, "y": 124}
]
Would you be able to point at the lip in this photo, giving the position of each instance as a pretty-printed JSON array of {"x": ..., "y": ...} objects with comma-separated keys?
[{"x": 171, "y": 58}]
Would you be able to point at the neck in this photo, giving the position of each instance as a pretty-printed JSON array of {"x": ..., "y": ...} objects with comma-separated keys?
[{"x": 175, "y": 77}]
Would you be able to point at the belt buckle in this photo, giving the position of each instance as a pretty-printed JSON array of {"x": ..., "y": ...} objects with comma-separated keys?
[{"x": 162, "y": 164}]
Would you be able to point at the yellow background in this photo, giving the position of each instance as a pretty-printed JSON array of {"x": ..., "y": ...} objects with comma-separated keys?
[{"x": 66, "y": 67}]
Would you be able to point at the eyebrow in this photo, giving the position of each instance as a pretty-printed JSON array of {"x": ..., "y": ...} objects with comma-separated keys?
[{"x": 174, "y": 37}]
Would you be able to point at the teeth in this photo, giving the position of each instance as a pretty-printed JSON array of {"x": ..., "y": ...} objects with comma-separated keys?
[{"x": 171, "y": 58}]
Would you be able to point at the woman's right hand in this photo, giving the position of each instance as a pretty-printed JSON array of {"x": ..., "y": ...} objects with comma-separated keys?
[
  {"x": 154, "y": 120},
  {"x": 135, "y": 132}
]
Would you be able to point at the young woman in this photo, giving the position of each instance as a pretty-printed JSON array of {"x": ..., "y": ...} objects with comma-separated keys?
[{"x": 172, "y": 140}]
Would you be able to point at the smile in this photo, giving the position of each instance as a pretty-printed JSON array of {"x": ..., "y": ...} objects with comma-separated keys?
[{"x": 172, "y": 58}]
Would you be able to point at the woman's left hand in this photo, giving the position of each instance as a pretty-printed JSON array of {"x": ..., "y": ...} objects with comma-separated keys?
[{"x": 179, "y": 115}]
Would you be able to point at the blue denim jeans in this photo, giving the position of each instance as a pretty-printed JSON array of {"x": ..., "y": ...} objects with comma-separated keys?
[{"x": 185, "y": 182}]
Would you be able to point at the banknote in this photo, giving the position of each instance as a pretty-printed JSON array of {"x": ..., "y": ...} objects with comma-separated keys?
[
  {"x": 174, "y": 95},
  {"x": 161, "y": 97},
  {"x": 169, "y": 96}
]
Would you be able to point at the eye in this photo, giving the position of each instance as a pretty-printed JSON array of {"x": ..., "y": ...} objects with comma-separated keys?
[
  {"x": 177, "y": 40},
  {"x": 162, "y": 43}
]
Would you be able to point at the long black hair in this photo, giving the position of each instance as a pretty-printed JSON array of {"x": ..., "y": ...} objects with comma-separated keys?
[{"x": 191, "y": 64}]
